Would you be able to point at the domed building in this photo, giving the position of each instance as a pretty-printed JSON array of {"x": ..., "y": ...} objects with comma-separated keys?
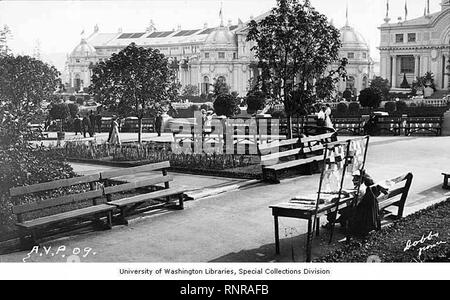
[
  {"x": 360, "y": 65},
  {"x": 79, "y": 65}
]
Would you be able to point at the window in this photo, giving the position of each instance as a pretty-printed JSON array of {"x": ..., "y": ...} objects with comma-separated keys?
[
  {"x": 364, "y": 55},
  {"x": 407, "y": 64},
  {"x": 234, "y": 55},
  {"x": 350, "y": 55},
  {"x": 399, "y": 38},
  {"x": 206, "y": 55},
  {"x": 77, "y": 60},
  {"x": 411, "y": 37},
  {"x": 221, "y": 55}
]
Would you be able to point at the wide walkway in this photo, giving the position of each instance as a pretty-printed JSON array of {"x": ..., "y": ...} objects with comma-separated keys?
[{"x": 238, "y": 226}]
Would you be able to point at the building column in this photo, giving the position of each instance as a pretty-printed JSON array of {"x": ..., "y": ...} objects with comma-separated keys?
[
  {"x": 394, "y": 71},
  {"x": 446, "y": 71},
  {"x": 416, "y": 66}
]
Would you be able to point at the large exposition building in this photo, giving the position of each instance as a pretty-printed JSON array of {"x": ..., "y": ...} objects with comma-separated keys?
[
  {"x": 411, "y": 48},
  {"x": 205, "y": 55}
]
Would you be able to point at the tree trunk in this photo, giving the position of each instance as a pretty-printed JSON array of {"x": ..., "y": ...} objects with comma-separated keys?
[
  {"x": 289, "y": 126},
  {"x": 140, "y": 129}
]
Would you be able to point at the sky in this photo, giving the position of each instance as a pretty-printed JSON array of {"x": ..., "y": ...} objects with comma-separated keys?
[{"x": 56, "y": 25}]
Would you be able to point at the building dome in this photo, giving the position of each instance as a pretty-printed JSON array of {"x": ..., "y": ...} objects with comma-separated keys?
[
  {"x": 83, "y": 50},
  {"x": 351, "y": 39},
  {"x": 221, "y": 36}
]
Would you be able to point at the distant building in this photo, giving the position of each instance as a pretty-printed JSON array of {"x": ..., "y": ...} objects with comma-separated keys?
[
  {"x": 202, "y": 56},
  {"x": 410, "y": 48}
]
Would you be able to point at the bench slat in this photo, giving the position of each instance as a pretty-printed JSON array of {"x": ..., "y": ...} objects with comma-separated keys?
[
  {"x": 315, "y": 138},
  {"x": 280, "y": 154},
  {"x": 137, "y": 184},
  {"x": 295, "y": 163},
  {"x": 64, "y": 200},
  {"x": 146, "y": 197},
  {"x": 45, "y": 186},
  {"x": 277, "y": 144},
  {"x": 66, "y": 216},
  {"x": 134, "y": 170}
]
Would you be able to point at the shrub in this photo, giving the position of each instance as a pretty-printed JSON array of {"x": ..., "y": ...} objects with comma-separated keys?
[
  {"x": 226, "y": 105},
  {"x": 353, "y": 108},
  {"x": 347, "y": 95},
  {"x": 342, "y": 108},
  {"x": 401, "y": 106},
  {"x": 72, "y": 98},
  {"x": 255, "y": 101},
  {"x": 195, "y": 107},
  {"x": 390, "y": 106},
  {"x": 60, "y": 112},
  {"x": 207, "y": 106},
  {"x": 370, "y": 98},
  {"x": 73, "y": 109},
  {"x": 80, "y": 101}
]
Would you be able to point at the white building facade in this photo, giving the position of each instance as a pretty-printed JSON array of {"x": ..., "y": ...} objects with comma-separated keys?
[{"x": 411, "y": 48}]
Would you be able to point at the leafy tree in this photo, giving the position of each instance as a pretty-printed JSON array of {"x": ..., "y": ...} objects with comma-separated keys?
[
  {"x": 134, "y": 82},
  {"x": 190, "y": 90},
  {"x": 72, "y": 98},
  {"x": 220, "y": 87},
  {"x": 80, "y": 101},
  {"x": 347, "y": 95},
  {"x": 370, "y": 97},
  {"x": 25, "y": 82},
  {"x": 226, "y": 105},
  {"x": 293, "y": 45},
  {"x": 382, "y": 86},
  {"x": 61, "y": 112},
  {"x": 255, "y": 101},
  {"x": 422, "y": 82},
  {"x": 401, "y": 106},
  {"x": 326, "y": 87},
  {"x": 5, "y": 35}
]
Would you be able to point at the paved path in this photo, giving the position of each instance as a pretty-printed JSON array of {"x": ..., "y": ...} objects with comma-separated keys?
[{"x": 238, "y": 226}]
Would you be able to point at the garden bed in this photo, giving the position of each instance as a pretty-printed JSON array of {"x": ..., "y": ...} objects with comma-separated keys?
[{"x": 421, "y": 237}]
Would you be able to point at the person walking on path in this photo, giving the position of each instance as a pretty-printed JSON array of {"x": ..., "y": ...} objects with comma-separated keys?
[
  {"x": 92, "y": 121},
  {"x": 158, "y": 123},
  {"x": 328, "y": 122},
  {"x": 86, "y": 126},
  {"x": 77, "y": 125},
  {"x": 114, "y": 137},
  {"x": 98, "y": 121}
]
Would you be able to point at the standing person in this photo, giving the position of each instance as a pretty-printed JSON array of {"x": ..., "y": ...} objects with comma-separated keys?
[
  {"x": 158, "y": 123},
  {"x": 114, "y": 137},
  {"x": 321, "y": 117},
  {"x": 77, "y": 125},
  {"x": 328, "y": 122},
  {"x": 86, "y": 126},
  {"x": 98, "y": 121},
  {"x": 93, "y": 122}
]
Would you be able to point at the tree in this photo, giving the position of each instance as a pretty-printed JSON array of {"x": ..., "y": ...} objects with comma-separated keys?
[
  {"x": 293, "y": 44},
  {"x": 5, "y": 35},
  {"x": 382, "y": 86},
  {"x": 226, "y": 105},
  {"x": 220, "y": 87},
  {"x": 326, "y": 87},
  {"x": 370, "y": 97},
  {"x": 255, "y": 101},
  {"x": 25, "y": 82},
  {"x": 190, "y": 90},
  {"x": 134, "y": 82},
  {"x": 347, "y": 95}
]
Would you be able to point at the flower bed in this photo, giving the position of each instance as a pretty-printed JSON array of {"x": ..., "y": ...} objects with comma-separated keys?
[{"x": 421, "y": 237}]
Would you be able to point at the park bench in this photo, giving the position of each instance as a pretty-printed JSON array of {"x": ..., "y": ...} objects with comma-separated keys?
[
  {"x": 34, "y": 218},
  {"x": 390, "y": 125},
  {"x": 396, "y": 196},
  {"x": 148, "y": 189},
  {"x": 132, "y": 125},
  {"x": 353, "y": 125},
  {"x": 282, "y": 155},
  {"x": 431, "y": 125}
]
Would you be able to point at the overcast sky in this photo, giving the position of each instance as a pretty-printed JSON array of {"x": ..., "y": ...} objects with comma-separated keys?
[{"x": 56, "y": 25}]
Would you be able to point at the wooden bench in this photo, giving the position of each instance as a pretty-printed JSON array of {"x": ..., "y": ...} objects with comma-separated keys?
[
  {"x": 445, "y": 184},
  {"x": 390, "y": 125},
  {"x": 431, "y": 125},
  {"x": 353, "y": 125},
  {"x": 67, "y": 207},
  {"x": 396, "y": 196},
  {"x": 153, "y": 192},
  {"x": 281, "y": 155}
]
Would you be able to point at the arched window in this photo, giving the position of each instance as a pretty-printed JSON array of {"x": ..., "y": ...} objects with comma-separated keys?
[{"x": 205, "y": 85}]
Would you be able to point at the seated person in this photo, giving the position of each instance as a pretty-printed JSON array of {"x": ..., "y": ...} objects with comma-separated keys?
[{"x": 363, "y": 215}]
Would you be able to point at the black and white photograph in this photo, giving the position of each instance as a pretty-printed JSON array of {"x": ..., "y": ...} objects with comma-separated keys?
[{"x": 225, "y": 139}]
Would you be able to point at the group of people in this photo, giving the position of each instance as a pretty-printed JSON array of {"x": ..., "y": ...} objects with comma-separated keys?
[{"x": 88, "y": 124}]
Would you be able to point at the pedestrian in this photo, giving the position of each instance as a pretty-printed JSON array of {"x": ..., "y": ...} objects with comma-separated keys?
[
  {"x": 86, "y": 126},
  {"x": 114, "y": 137},
  {"x": 98, "y": 121},
  {"x": 321, "y": 117},
  {"x": 92, "y": 120},
  {"x": 328, "y": 122},
  {"x": 158, "y": 123},
  {"x": 77, "y": 124}
]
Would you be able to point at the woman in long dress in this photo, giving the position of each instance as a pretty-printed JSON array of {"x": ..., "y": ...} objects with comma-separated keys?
[
  {"x": 328, "y": 122},
  {"x": 114, "y": 138}
]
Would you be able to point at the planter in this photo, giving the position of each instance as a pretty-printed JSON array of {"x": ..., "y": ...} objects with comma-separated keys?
[{"x": 61, "y": 135}]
